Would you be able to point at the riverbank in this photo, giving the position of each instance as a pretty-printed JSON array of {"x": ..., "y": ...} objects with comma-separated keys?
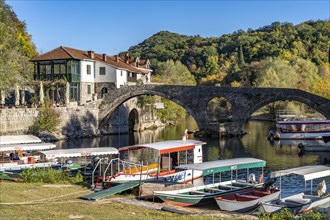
[{"x": 36, "y": 201}]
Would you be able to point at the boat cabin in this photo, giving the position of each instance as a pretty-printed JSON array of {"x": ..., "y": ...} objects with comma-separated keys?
[
  {"x": 303, "y": 126},
  {"x": 168, "y": 154}
]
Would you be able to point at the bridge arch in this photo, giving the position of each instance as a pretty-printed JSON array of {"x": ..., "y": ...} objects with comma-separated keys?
[
  {"x": 124, "y": 97},
  {"x": 302, "y": 98},
  {"x": 194, "y": 99},
  {"x": 133, "y": 120}
]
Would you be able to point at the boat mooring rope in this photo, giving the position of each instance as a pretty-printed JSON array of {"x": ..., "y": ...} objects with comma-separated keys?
[{"x": 41, "y": 201}]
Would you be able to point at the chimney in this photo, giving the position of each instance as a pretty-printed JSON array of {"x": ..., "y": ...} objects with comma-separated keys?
[
  {"x": 90, "y": 54},
  {"x": 127, "y": 58},
  {"x": 104, "y": 56},
  {"x": 117, "y": 58}
]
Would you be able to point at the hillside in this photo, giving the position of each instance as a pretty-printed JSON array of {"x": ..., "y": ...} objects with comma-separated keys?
[{"x": 244, "y": 58}]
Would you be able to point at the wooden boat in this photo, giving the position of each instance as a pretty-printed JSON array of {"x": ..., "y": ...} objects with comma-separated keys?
[
  {"x": 300, "y": 202},
  {"x": 314, "y": 148},
  {"x": 302, "y": 129},
  {"x": 246, "y": 200},
  {"x": 155, "y": 162},
  {"x": 205, "y": 194},
  {"x": 17, "y": 151}
]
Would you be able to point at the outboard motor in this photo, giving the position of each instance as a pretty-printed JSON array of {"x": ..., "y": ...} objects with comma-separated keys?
[
  {"x": 270, "y": 135},
  {"x": 68, "y": 161},
  {"x": 269, "y": 183},
  {"x": 95, "y": 159},
  {"x": 301, "y": 146}
]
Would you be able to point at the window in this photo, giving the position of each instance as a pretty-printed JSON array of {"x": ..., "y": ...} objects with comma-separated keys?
[
  {"x": 102, "y": 70},
  {"x": 104, "y": 91},
  {"x": 88, "y": 89},
  {"x": 75, "y": 67},
  {"x": 62, "y": 68},
  {"x": 89, "y": 69},
  {"x": 74, "y": 92},
  {"x": 121, "y": 73}
]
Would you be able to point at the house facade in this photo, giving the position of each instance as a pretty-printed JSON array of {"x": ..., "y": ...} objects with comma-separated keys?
[{"x": 90, "y": 75}]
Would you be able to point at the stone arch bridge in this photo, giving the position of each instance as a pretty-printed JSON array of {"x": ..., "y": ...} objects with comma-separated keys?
[{"x": 244, "y": 102}]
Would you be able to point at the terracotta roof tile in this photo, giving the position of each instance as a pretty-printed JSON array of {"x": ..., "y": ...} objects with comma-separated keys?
[{"x": 70, "y": 53}]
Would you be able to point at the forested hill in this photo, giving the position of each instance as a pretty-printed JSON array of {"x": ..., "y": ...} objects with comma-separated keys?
[{"x": 240, "y": 58}]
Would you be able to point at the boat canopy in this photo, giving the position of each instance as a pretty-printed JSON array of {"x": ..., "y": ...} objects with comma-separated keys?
[
  {"x": 224, "y": 165},
  {"x": 166, "y": 146},
  {"x": 26, "y": 147},
  {"x": 308, "y": 172},
  {"x": 19, "y": 139},
  {"x": 79, "y": 152}
]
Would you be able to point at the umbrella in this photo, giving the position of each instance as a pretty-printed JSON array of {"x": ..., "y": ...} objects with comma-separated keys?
[
  {"x": 67, "y": 93},
  {"x": 41, "y": 93},
  {"x": 16, "y": 96},
  {"x": 3, "y": 97}
]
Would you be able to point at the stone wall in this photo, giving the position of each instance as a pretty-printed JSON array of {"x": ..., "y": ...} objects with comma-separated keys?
[
  {"x": 76, "y": 121},
  {"x": 79, "y": 121},
  {"x": 17, "y": 120},
  {"x": 84, "y": 96},
  {"x": 98, "y": 87}
]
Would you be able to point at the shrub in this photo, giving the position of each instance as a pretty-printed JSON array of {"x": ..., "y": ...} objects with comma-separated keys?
[
  {"x": 49, "y": 175},
  {"x": 48, "y": 119},
  {"x": 285, "y": 214}
]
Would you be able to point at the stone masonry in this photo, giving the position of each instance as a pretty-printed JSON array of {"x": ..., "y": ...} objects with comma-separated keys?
[{"x": 244, "y": 102}]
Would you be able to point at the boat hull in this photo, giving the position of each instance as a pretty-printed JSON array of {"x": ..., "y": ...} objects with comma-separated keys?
[
  {"x": 314, "y": 148},
  {"x": 303, "y": 136},
  {"x": 297, "y": 203},
  {"x": 175, "y": 177},
  {"x": 244, "y": 204},
  {"x": 197, "y": 196}
]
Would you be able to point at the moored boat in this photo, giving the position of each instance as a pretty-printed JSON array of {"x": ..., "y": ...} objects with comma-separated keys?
[
  {"x": 302, "y": 129},
  {"x": 205, "y": 194},
  {"x": 155, "y": 162},
  {"x": 300, "y": 202},
  {"x": 246, "y": 200},
  {"x": 17, "y": 152}
]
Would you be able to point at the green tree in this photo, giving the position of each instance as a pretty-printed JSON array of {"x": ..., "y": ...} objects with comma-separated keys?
[
  {"x": 16, "y": 48},
  {"x": 173, "y": 73},
  {"x": 211, "y": 66}
]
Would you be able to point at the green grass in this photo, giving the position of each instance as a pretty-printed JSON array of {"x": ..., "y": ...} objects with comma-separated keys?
[{"x": 34, "y": 201}]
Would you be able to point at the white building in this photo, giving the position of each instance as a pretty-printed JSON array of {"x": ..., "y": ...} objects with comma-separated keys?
[{"x": 89, "y": 74}]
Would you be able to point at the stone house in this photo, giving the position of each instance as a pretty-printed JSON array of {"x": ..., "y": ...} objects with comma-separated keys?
[{"x": 90, "y": 75}]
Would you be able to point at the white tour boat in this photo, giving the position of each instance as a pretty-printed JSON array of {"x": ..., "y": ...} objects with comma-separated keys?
[
  {"x": 16, "y": 152},
  {"x": 155, "y": 162},
  {"x": 302, "y": 129}
]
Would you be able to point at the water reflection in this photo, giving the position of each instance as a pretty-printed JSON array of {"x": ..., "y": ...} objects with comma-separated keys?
[{"x": 279, "y": 155}]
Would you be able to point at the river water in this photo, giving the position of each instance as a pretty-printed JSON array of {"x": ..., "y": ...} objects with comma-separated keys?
[{"x": 278, "y": 155}]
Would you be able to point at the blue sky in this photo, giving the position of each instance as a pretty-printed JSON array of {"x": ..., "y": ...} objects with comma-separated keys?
[{"x": 113, "y": 26}]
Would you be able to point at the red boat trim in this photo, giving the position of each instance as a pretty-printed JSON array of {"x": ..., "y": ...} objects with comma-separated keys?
[{"x": 176, "y": 149}]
